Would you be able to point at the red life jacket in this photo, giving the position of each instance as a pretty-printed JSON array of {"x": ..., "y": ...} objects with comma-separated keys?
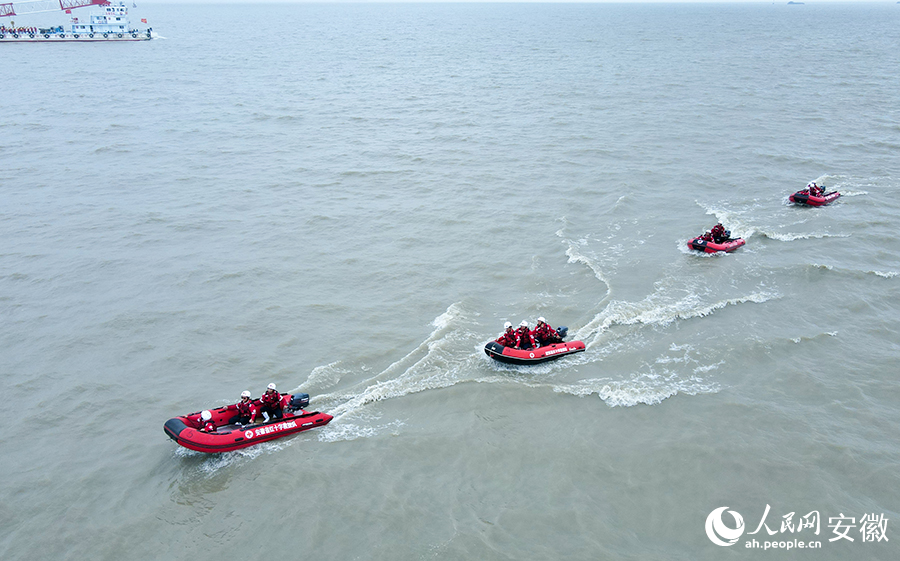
[
  {"x": 545, "y": 333},
  {"x": 525, "y": 338},
  {"x": 271, "y": 400},
  {"x": 246, "y": 409},
  {"x": 509, "y": 339}
]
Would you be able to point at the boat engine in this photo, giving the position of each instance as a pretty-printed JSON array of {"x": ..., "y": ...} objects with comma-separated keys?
[
  {"x": 299, "y": 401},
  {"x": 563, "y": 331}
]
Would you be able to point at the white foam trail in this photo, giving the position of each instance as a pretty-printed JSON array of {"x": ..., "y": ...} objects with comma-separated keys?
[
  {"x": 882, "y": 274},
  {"x": 440, "y": 323},
  {"x": 444, "y": 320},
  {"x": 708, "y": 367},
  {"x": 210, "y": 464},
  {"x": 732, "y": 220},
  {"x": 338, "y": 432},
  {"x": 421, "y": 376},
  {"x": 792, "y": 237},
  {"x": 437, "y": 363},
  {"x": 321, "y": 377},
  {"x": 838, "y": 182},
  {"x": 577, "y": 257},
  {"x": 432, "y": 365},
  {"x": 644, "y": 389},
  {"x": 565, "y": 224},
  {"x": 649, "y": 311}
]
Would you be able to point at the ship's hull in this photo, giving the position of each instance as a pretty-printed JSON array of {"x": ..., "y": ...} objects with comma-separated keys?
[{"x": 76, "y": 37}]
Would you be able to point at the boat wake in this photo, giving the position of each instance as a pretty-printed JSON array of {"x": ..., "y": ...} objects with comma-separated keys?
[
  {"x": 735, "y": 220},
  {"x": 642, "y": 389},
  {"x": 575, "y": 256},
  {"x": 436, "y": 363},
  {"x": 655, "y": 310},
  {"x": 859, "y": 273},
  {"x": 793, "y": 237},
  {"x": 575, "y": 252},
  {"x": 209, "y": 464},
  {"x": 452, "y": 354}
]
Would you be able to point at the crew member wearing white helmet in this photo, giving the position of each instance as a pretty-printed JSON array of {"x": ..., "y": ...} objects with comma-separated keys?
[
  {"x": 813, "y": 189},
  {"x": 206, "y": 423},
  {"x": 246, "y": 409},
  {"x": 526, "y": 339},
  {"x": 509, "y": 338},
  {"x": 544, "y": 334},
  {"x": 270, "y": 402}
]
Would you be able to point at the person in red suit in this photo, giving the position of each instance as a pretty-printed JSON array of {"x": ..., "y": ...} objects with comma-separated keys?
[
  {"x": 206, "y": 423},
  {"x": 526, "y": 339},
  {"x": 544, "y": 334},
  {"x": 509, "y": 338},
  {"x": 246, "y": 409},
  {"x": 270, "y": 403}
]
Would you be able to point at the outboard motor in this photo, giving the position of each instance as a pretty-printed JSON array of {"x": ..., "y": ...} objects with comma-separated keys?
[
  {"x": 299, "y": 401},
  {"x": 563, "y": 331}
]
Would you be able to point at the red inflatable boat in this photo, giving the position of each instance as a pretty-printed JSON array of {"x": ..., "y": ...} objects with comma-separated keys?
[
  {"x": 230, "y": 435},
  {"x": 532, "y": 356},
  {"x": 803, "y": 197},
  {"x": 728, "y": 245}
]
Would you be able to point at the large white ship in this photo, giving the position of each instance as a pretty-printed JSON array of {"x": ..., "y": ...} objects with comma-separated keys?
[{"x": 112, "y": 24}]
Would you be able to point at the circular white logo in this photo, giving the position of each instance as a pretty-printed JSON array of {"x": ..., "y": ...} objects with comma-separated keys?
[
  {"x": 718, "y": 532},
  {"x": 249, "y": 434}
]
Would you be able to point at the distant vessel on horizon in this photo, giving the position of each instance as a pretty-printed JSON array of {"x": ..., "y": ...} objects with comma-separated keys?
[{"x": 113, "y": 24}]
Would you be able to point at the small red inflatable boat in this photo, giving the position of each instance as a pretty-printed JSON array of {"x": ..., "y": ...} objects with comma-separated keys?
[
  {"x": 803, "y": 197},
  {"x": 230, "y": 435},
  {"x": 728, "y": 245},
  {"x": 532, "y": 356}
]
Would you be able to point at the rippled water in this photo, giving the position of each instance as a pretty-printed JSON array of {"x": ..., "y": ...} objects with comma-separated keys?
[{"x": 350, "y": 200}]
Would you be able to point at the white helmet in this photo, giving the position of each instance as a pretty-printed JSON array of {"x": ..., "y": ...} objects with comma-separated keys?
[
  {"x": 541, "y": 320},
  {"x": 245, "y": 393},
  {"x": 206, "y": 415},
  {"x": 507, "y": 325},
  {"x": 271, "y": 386},
  {"x": 523, "y": 324}
]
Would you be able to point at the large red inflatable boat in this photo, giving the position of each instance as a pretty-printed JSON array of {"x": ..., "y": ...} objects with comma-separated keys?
[
  {"x": 803, "y": 197},
  {"x": 728, "y": 245},
  {"x": 532, "y": 356},
  {"x": 230, "y": 435}
]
